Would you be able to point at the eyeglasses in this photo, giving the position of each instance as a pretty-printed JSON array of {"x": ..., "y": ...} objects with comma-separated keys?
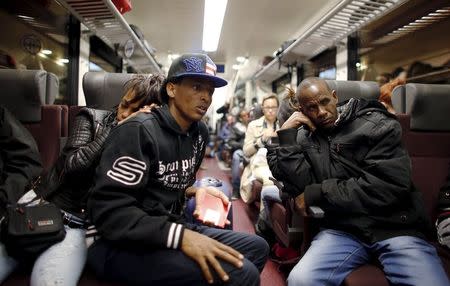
[{"x": 270, "y": 107}]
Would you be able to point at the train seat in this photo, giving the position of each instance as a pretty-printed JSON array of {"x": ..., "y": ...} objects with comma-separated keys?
[
  {"x": 354, "y": 89},
  {"x": 398, "y": 99},
  {"x": 426, "y": 135},
  {"x": 24, "y": 93},
  {"x": 104, "y": 90},
  {"x": 101, "y": 90}
]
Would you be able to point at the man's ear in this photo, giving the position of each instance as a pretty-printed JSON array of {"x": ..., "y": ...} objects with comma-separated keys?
[
  {"x": 333, "y": 93},
  {"x": 171, "y": 89}
]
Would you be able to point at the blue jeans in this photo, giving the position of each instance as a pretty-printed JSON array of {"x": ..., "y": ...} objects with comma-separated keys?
[
  {"x": 146, "y": 266},
  {"x": 238, "y": 157},
  {"x": 406, "y": 260},
  {"x": 269, "y": 195},
  {"x": 61, "y": 264},
  {"x": 7, "y": 264}
]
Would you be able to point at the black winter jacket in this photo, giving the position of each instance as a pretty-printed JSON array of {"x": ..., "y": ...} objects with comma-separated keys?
[
  {"x": 146, "y": 166},
  {"x": 358, "y": 173},
  {"x": 20, "y": 161},
  {"x": 69, "y": 180}
]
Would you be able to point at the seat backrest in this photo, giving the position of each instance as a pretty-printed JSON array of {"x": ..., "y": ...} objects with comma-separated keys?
[
  {"x": 398, "y": 99},
  {"x": 354, "y": 89},
  {"x": 428, "y": 139},
  {"x": 104, "y": 90},
  {"x": 52, "y": 89},
  {"x": 428, "y": 105},
  {"x": 24, "y": 94}
]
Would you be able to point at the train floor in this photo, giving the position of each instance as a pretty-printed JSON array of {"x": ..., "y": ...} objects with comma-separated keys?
[{"x": 244, "y": 218}]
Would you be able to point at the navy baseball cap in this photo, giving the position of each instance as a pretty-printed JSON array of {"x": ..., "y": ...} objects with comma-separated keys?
[{"x": 198, "y": 65}]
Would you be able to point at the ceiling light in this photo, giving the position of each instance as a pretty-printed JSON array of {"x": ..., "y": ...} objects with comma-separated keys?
[
  {"x": 236, "y": 67},
  {"x": 64, "y": 61},
  {"x": 171, "y": 57},
  {"x": 46, "y": 52},
  {"x": 240, "y": 59},
  {"x": 212, "y": 23}
]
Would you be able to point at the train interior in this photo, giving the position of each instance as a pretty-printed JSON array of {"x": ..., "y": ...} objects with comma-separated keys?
[{"x": 57, "y": 56}]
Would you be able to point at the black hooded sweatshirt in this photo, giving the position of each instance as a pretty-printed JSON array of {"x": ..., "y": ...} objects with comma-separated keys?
[{"x": 147, "y": 164}]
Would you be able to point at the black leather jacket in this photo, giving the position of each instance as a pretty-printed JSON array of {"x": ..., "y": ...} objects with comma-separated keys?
[
  {"x": 20, "y": 161},
  {"x": 358, "y": 173},
  {"x": 444, "y": 200},
  {"x": 68, "y": 182}
]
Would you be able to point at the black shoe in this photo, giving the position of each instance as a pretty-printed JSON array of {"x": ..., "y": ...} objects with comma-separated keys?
[
  {"x": 236, "y": 195},
  {"x": 262, "y": 230}
]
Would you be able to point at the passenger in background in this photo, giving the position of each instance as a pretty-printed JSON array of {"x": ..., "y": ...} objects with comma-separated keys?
[
  {"x": 349, "y": 161},
  {"x": 386, "y": 91},
  {"x": 20, "y": 164},
  {"x": 383, "y": 78},
  {"x": 224, "y": 135},
  {"x": 68, "y": 182},
  {"x": 146, "y": 173},
  {"x": 443, "y": 220},
  {"x": 235, "y": 144},
  {"x": 288, "y": 105},
  {"x": 259, "y": 133}
]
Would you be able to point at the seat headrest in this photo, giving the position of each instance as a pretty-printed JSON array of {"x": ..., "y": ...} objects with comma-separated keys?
[
  {"x": 104, "y": 90},
  {"x": 52, "y": 88},
  {"x": 428, "y": 105},
  {"x": 354, "y": 89},
  {"x": 23, "y": 93},
  {"x": 398, "y": 99}
]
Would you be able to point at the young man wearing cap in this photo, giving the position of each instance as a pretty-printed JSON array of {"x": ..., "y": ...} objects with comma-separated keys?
[{"x": 146, "y": 172}]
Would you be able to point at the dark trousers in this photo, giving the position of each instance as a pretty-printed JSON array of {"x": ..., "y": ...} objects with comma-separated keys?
[{"x": 173, "y": 267}]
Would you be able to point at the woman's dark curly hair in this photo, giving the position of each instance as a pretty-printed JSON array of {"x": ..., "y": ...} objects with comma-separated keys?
[{"x": 147, "y": 87}]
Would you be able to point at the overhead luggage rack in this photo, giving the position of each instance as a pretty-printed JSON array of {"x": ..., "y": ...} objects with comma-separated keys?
[
  {"x": 345, "y": 18},
  {"x": 105, "y": 21}
]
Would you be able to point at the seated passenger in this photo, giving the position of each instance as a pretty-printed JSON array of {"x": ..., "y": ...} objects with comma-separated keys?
[
  {"x": 443, "y": 220},
  {"x": 145, "y": 175},
  {"x": 236, "y": 143},
  {"x": 259, "y": 133},
  {"x": 349, "y": 161},
  {"x": 68, "y": 182},
  {"x": 20, "y": 163}
]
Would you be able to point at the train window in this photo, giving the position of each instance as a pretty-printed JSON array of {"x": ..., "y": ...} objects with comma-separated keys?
[{"x": 35, "y": 38}]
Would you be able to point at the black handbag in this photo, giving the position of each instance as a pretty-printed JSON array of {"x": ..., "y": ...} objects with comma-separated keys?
[{"x": 31, "y": 229}]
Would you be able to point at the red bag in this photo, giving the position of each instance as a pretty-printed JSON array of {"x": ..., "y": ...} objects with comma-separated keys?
[
  {"x": 284, "y": 255},
  {"x": 123, "y": 5}
]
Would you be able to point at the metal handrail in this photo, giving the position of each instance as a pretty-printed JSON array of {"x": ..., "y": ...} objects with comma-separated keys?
[{"x": 104, "y": 20}]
